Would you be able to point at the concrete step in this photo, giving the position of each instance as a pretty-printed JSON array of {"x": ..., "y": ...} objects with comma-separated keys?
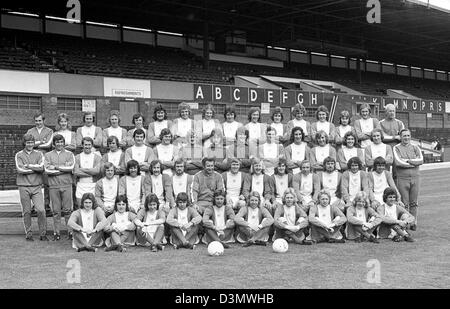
[
  {"x": 15, "y": 211},
  {"x": 14, "y": 226}
]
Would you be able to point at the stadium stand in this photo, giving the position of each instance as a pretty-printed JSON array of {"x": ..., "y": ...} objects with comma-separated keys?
[
  {"x": 52, "y": 52},
  {"x": 107, "y": 58},
  {"x": 17, "y": 58},
  {"x": 375, "y": 83}
]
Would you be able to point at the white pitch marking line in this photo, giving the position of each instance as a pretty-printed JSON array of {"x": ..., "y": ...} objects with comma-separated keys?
[{"x": 429, "y": 196}]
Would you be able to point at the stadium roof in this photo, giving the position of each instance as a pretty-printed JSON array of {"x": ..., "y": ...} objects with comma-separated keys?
[
  {"x": 443, "y": 5},
  {"x": 409, "y": 33}
]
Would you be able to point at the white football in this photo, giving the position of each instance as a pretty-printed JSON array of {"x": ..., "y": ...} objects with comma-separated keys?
[
  {"x": 280, "y": 245},
  {"x": 215, "y": 248}
]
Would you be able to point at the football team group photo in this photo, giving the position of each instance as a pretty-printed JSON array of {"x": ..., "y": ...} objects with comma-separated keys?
[{"x": 208, "y": 154}]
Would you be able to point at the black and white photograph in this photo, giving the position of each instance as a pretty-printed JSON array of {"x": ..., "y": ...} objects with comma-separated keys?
[{"x": 224, "y": 151}]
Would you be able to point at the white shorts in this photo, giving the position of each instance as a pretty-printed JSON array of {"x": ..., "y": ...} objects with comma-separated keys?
[{"x": 84, "y": 187}]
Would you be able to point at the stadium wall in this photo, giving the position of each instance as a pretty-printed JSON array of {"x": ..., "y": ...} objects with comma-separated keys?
[
  {"x": 139, "y": 37},
  {"x": 25, "y": 93},
  {"x": 352, "y": 64},
  {"x": 102, "y": 33},
  {"x": 299, "y": 57},
  {"x": 338, "y": 62},
  {"x": 319, "y": 59},
  {"x": 70, "y": 84},
  {"x": 402, "y": 71},
  {"x": 24, "y": 82},
  {"x": 12, "y": 118},
  {"x": 21, "y": 22},
  {"x": 63, "y": 28},
  {"x": 255, "y": 50}
]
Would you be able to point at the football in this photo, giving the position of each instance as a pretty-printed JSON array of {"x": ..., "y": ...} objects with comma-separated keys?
[
  {"x": 280, "y": 246},
  {"x": 215, "y": 248}
]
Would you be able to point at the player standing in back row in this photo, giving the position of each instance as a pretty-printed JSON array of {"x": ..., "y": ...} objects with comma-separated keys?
[{"x": 30, "y": 166}]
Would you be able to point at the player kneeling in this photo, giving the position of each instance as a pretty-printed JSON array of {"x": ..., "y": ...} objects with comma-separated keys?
[
  {"x": 326, "y": 220},
  {"x": 87, "y": 224},
  {"x": 218, "y": 221},
  {"x": 290, "y": 220},
  {"x": 362, "y": 219},
  {"x": 183, "y": 221},
  {"x": 395, "y": 218},
  {"x": 150, "y": 224},
  {"x": 253, "y": 222},
  {"x": 120, "y": 226}
]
